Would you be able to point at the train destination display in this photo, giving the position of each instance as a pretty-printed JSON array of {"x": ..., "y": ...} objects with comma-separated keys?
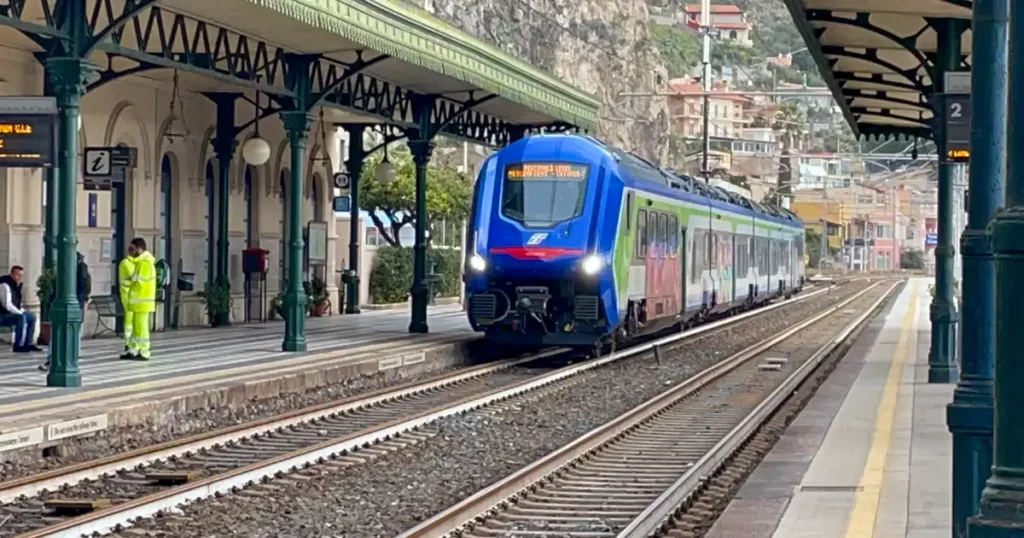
[
  {"x": 528, "y": 171},
  {"x": 27, "y": 140}
]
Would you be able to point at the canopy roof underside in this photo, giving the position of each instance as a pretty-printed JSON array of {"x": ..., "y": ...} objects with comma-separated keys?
[
  {"x": 878, "y": 57},
  {"x": 380, "y": 43}
]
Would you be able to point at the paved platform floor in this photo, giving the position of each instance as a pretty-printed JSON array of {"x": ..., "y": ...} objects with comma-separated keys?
[
  {"x": 186, "y": 361},
  {"x": 870, "y": 456}
]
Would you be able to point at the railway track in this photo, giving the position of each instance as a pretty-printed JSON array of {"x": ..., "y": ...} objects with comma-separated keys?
[
  {"x": 101, "y": 496},
  {"x": 630, "y": 476}
]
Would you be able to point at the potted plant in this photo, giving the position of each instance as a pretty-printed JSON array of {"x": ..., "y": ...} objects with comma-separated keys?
[
  {"x": 217, "y": 298},
  {"x": 316, "y": 293},
  {"x": 46, "y": 287},
  {"x": 277, "y": 306}
]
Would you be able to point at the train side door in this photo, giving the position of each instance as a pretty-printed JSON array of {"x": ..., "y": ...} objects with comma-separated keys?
[{"x": 681, "y": 252}]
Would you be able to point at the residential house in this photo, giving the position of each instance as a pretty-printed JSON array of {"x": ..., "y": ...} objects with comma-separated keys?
[{"x": 729, "y": 21}]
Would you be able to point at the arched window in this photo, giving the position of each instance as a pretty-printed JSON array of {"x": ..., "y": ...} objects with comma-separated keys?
[
  {"x": 211, "y": 221},
  {"x": 163, "y": 250},
  {"x": 318, "y": 210},
  {"x": 250, "y": 209}
]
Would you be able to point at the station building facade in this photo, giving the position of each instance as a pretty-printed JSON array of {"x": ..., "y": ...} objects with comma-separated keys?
[{"x": 168, "y": 192}]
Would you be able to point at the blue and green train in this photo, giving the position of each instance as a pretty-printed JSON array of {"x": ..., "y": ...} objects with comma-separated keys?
[{"x": 575, "y": 243}]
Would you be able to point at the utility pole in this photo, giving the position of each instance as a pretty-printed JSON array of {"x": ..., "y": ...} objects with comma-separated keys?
[{"x": 705, "y": 29}]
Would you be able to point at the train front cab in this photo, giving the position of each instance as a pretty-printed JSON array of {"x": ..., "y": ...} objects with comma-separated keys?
[{"x": 536, "y": 271}]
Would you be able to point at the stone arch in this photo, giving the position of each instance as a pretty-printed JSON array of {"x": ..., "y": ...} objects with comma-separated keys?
[
  {"x": 314, "y": 166},
  {"x": 318, "y": 186},
  {"x": 174, "y": 193},
  {"x": 130, "y": 112},
  {"x": 181, "y": 148},
  {"x": 205, "y": 154},
  {"x": 251, "y": 207}
]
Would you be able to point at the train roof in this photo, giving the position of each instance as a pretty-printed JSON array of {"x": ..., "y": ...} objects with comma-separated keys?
[{"x": 643, "y": 170}]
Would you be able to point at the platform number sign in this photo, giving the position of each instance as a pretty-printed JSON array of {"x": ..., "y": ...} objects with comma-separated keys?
[
  {"x": 957, "y": 104},
  {"x": 342, "y": 182}
]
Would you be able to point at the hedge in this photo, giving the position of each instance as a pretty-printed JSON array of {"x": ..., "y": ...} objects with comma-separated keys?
[{"x": 391, "y": 276}]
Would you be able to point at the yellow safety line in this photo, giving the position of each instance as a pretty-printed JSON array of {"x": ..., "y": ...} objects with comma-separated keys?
[
  {"x": 248, "y": 370},
  {"x": 865, "y": 508}
]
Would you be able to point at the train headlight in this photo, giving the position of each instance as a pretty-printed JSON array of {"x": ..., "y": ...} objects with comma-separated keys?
[
  {"x": 592, "y": 264},
  {"x": 477, "y": 263}
]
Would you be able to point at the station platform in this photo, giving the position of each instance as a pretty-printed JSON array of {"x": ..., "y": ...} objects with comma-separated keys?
[
  {"x": 870, "y": 455},
  {"x": 215, "y": 367}
]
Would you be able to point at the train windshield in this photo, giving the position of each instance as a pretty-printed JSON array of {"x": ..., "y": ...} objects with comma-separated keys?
[{"x": 543, "y": 194}]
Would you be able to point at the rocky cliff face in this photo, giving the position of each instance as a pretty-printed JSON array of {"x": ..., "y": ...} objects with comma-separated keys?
[{"x": 601, "y": 46}]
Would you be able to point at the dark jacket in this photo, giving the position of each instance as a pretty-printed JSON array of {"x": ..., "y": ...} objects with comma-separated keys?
[
  {"x": 15, "y": 293},
  {"x": 83, "y": 283}
]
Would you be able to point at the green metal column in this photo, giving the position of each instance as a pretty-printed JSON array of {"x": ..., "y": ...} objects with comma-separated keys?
[
  {"x": 354, "y": 164},
  {"x": 296, "y": 124},
  {"x": 421, "y": 151},
  {"x": 50, "y": 219},
  {"x": 224, "y": 146},
  {"x": 942, "y": 355},
  {"x": 67, "y": 78},
  {"x": 1001, "y": 511},
  {"x": 969, "y": 417}
]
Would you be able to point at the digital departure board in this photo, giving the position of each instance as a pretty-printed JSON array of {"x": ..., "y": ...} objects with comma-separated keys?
[
  {"x": 546, "y": 171},
  {"x": 958, "y": 155},
  {"x": 27, "y": 141}
]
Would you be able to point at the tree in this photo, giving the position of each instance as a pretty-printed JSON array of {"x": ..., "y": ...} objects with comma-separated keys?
[
  {"x": 912, "y": 259},
  {"x": 448, "y": 194},
  {"x": 812, "y": 242}
]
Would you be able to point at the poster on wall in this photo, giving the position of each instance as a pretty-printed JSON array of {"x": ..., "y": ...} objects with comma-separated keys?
[
  {"x": 316, "y": 237},
  {"x": 931, "y": 232}
]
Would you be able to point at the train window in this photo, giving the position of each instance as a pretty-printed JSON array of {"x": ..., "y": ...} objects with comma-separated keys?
[
  {"x": 641, "y": 233},
  {"x": 543, "y": 194},
  {"x": 663, "y": 235},
  {"x": 629, "y": 211},
  {"x": 698, "y": 253},
  {"x": 652, "y": 235},
  {"x": 673, "y": 223}
]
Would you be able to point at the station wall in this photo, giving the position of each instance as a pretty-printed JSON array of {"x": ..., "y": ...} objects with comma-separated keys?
[{"x": 135, "y": 111}]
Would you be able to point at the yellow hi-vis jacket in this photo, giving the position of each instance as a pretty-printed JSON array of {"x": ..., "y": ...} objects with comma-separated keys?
[{"x": 137, "y": 283}]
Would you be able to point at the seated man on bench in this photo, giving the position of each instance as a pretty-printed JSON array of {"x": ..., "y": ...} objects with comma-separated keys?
[{"x": 11, "y": 313}]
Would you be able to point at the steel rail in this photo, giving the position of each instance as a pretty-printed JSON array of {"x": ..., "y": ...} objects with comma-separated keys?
[
  {"x": 659, "y": 512},
  {"x": 51, "y": 480},
  {"x": 117, "y": 516},
  {"x": 491, "y": 499}
]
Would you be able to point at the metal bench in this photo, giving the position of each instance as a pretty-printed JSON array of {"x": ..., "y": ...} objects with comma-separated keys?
[{"x": 106, "y": 306}]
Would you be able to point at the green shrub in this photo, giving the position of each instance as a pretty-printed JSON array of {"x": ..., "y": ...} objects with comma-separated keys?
[
  {"x": 391, "y": 276},
  {"x": 446, "y": 263}
]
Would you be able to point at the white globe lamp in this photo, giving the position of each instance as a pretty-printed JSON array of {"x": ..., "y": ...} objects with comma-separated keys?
[
  {"x": 385, "y": 171},
  {"x": 256, "y": 151}
]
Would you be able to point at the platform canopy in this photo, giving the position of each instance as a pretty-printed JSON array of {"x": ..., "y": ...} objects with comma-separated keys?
[
  {"x": 878, "y": 58},
  {"x": 367, "y": 61}
]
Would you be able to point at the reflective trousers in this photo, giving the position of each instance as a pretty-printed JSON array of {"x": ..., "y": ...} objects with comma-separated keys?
[{"x": 136, "y": 333}]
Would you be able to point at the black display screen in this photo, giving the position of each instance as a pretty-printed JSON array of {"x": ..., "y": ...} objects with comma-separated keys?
[{"x": 27, "y": 141}]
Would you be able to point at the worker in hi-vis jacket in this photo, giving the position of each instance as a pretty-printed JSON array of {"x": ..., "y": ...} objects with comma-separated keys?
[{"x": 137, "y": 282}]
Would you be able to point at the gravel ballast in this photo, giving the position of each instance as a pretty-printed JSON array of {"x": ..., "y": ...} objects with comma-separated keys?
[
  {"x": 398, "y": 490},
  {"x": 123, "y": 439}
]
